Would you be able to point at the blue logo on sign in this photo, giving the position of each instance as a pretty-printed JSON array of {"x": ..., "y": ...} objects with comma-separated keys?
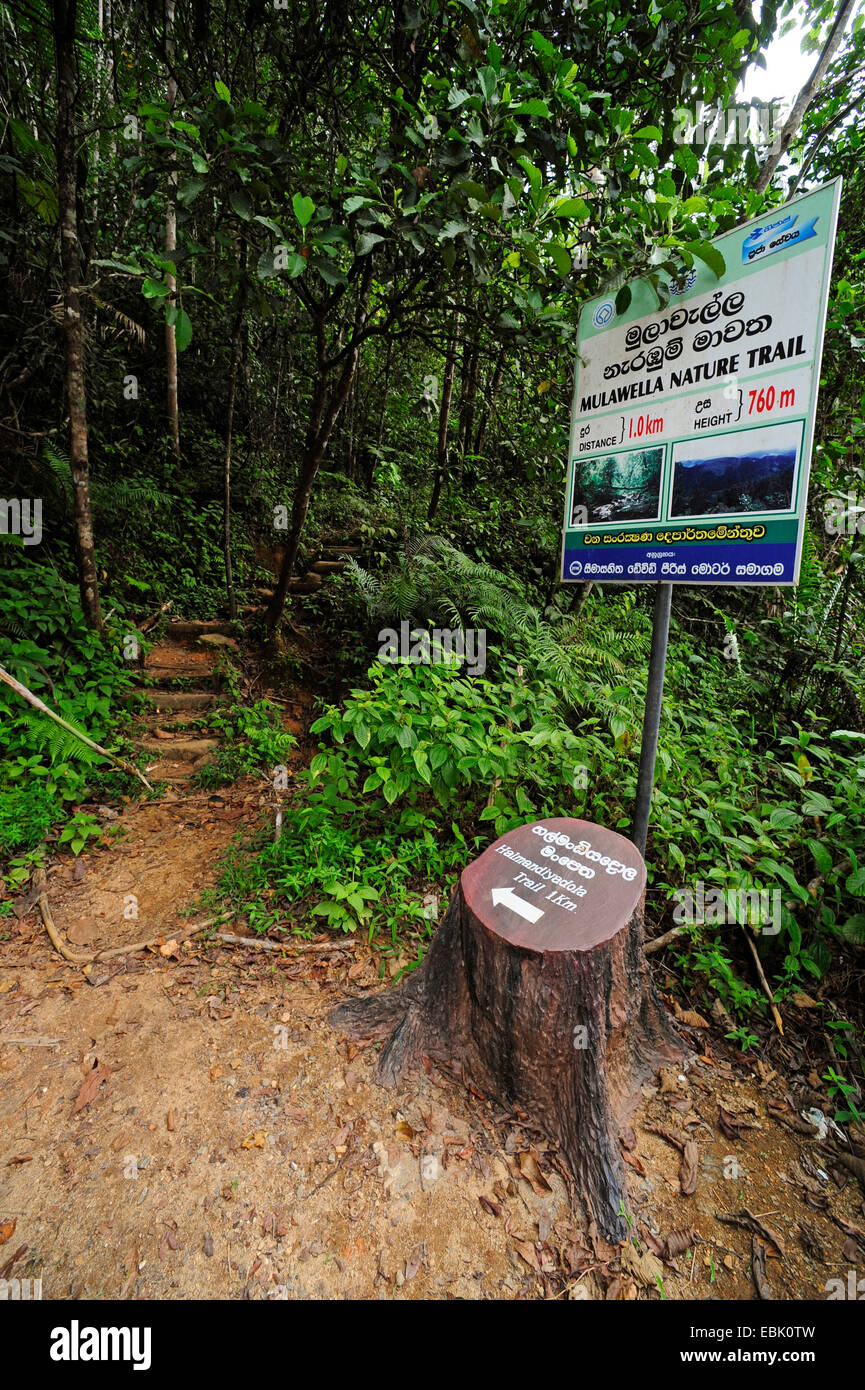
[
  {"x": 575, "y": 568},
  {"x": 682, "y": 287},
  {"x": 604, "y": 312},
  {"x": 775, "y": 236}
]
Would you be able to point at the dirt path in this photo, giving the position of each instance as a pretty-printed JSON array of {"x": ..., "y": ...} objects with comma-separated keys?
[
  {"x": 182, "y": 1123},
  {"x": 233, "y": 1145}
]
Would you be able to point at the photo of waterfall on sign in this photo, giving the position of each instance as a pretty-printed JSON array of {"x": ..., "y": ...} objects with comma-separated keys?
[{"x": 618, "y": 487}]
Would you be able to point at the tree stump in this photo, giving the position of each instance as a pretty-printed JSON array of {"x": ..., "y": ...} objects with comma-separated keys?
[{"x": 535, "y": 989}]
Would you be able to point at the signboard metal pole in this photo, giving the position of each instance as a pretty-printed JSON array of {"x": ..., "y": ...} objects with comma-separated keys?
[{"x": 652, "y": 716}]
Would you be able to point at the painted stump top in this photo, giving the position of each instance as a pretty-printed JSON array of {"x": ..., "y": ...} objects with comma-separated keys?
[{"x": 556, "y": 885}]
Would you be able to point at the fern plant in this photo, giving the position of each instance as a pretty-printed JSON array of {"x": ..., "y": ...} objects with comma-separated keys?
[
  {"x": 117, "y": 497},
  {"x": 435, "y": 582}
]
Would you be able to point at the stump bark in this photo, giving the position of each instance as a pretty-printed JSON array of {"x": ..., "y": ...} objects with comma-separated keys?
[{"x": 535, "y": 989}]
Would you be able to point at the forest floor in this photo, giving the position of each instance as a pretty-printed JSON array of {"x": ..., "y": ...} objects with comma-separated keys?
[{"x": 182, "y": 1122}]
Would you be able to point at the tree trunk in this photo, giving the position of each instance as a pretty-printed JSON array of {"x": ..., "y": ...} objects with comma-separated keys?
[
  {"x": 492, "y": 392},
  {"x": 64, "y": 15},
  {"x": 538, "y": 994},
  {"x": 171, "y": 247},
  {"x": 806, "y": 96},
  {"x": 226, "y": 473},
  {"x": 351, "y": 425},
  {"x": 842, "y": 616},
  {"x": 370, "y": 457},
  {"x": 467, "y": 402},
  {"x": 384, "y": 394},
  {"x": 581, "y": 593},
  {"x": 324, "y": 413},
  {"x": 444, "y": 419},
  {"x": 236, "y": 351}
]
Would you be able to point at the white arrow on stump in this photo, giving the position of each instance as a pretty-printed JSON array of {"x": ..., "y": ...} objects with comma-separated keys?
[{"x": 518, "y": 905}]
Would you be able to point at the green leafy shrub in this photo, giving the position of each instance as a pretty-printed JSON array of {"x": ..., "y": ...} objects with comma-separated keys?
[
  {"x": 415, "y": 775},
  {"x": 45, "y": 644},
  {"x": 254, "y": 741}
]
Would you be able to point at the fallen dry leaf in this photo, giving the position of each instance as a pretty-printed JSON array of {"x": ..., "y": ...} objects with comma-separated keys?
[
  {"x": 732, "y": 1125},
  {"x": 530, "y": 1170},
  {"x": 12, "y": 1261},
  {"x": 92, "y": 1082},
  {"x": 528, "y": 1253},
  {"x": 688, "y": 1169},
  {"x": 643, "y": 1266},
  {"x": 690, "y": 1017},
  {"x": 856, "y": 1165},
  {"x": 255, "y": 1141},
  {"x": 758, "y": 1269},
  {"x": 750, "y": 1222},
  {"x": 650, "y": 1239},
  {"x": 7, "y": 1229},
  {"x": 672, "y": 1136},
  {"x": 850, "y": 1229},
  {"x": 678, "y": 1242}
]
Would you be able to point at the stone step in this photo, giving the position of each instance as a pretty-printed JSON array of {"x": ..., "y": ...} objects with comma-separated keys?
[
  {"x": 164, "y": 771},
  {"x": 185, "y": 750},
  {"x": 200, "y": 627},
  {"x": 324, "y": 567},
  {"x": 179, "y": 721},
  {"x": 219, "y": 641},
  {"x": 333, "y": 552},
  {"x": 307, "y": 584},
  {"x": 182, "y": 699},
  {"x": 166, "y": 675}
]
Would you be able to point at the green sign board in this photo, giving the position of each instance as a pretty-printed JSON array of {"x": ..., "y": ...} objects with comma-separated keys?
[{"x": 692, "y": 424}]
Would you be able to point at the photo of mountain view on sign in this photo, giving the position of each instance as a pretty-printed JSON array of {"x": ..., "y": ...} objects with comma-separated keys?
[
  {"x": 623, "y": 486},
  {"x": 733, "y": 483},
  {"x": 738, "y": 476}
]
